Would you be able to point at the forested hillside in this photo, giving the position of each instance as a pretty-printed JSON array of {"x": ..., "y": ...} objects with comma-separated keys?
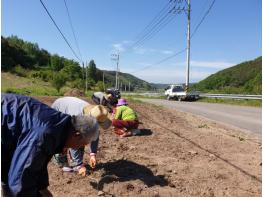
[
  {"x": 245, "y": 77},
  {"x": 28, "y": 60}
]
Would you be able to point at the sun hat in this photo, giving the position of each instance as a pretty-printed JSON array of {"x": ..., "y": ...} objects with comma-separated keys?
[
  {"x": 87, "y": 126},
  {"x": 122, "y": 102},
  {"x": 100, "y": 113}
]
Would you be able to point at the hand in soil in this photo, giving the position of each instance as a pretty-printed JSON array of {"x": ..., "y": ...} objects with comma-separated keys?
[
  {"x": 82, "y": 171},
  {"x": 92, "y": 161}
]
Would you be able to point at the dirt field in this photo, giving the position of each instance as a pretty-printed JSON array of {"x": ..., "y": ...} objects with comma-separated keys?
[{"x": 178, "y": 154}]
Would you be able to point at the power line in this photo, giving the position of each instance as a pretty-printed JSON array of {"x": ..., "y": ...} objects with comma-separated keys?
[
  {"x": 154, "y": 19},
  {"x": 201, "y": 12},
  {"x": 157, "y": 28},
  {"x": 161, "y": 61},
  {"x": 59, "y": 30},
  {"x": 159, "y": 22},
  {"x": 201, "y": 21},
  {"x": 162, "y": 18},
  {"x": 70, "y": 21},
  {"x": 167, "y": 58}
]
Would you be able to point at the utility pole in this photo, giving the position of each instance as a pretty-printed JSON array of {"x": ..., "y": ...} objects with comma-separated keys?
[
  {"x": 86, "y": 77},
  {"x": 129, "y": 86},
  {"x": 117, "y": 58},
  {"x": 83, "y": 70},
  {"x": 121, "y": 87},
  {"x": 125, "y": 87},
  {"x": 103, "y": 81},
  {"x": 188, "y": 47}
]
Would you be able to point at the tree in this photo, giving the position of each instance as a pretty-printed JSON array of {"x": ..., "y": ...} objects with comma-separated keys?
[
  {"x": 59, "y": 80},
  {"x": 90, "y": 83},
  {"x": 100, "y": 86},
  {"x": 71, "y": 69},
  {"x": 92, "y": 71},
  {"x": 56, "y": 63}
]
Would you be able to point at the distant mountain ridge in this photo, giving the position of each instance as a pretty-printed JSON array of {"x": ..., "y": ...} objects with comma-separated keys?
[
  {"x": 126, "y": 80},
  {"x": 244, "y": 78}
]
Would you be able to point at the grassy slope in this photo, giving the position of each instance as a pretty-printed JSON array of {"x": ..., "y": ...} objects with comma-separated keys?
[
  {"x": 242, "y": 78},
  {"x": 22, "y": 85}
]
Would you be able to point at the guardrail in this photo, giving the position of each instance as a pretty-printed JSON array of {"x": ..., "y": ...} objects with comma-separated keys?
[
  {"x": 232, "y": 96},
  {"x": 223, "y": 96}
]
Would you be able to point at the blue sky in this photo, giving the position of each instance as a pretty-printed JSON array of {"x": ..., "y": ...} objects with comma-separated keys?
[{"x": 230, "y": 34}]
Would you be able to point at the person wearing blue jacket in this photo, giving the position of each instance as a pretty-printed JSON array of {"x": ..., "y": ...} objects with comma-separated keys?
[{"x": 32, "y": 133}]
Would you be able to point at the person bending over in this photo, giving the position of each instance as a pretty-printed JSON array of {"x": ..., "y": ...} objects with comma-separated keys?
[
  {"x": 32, "y": 133},
  {"x": 76, "y": 106}
]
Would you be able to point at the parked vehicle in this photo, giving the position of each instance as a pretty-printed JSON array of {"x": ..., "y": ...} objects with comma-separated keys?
[{"x": 177, "y": 92}]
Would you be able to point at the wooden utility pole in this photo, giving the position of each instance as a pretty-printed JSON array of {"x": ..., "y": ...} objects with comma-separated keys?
[
  {"x": 116, "y": 57},
  {"x": 188, "y": 48},
  {"x": 86, "y": 77},
  {"x": 103, "y": 81}
]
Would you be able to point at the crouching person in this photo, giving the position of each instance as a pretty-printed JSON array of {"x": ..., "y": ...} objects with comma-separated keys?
[
  {"x": 32, "y": 133},
  {"x": 125, "y": 121},
  {"x": 76, "y": 106},
  {"x": 110, "y": 99}
]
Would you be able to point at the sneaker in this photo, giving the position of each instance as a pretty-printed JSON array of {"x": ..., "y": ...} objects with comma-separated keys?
[
  {"x": 67, "y": 169},
  {"x": 119, "y": 131},
  {"x": 126, "y": 134},
  {"x": 77, "y": 168}
]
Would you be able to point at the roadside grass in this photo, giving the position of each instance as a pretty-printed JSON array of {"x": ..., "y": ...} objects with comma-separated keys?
[
  {"x": 11, "y": 83},
  {"x": 243, "y": 102},
  {"x": 34, "y": 87},
  {"x": 125, "y": 95}
]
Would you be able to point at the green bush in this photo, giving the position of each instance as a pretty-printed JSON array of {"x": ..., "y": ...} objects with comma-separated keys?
[
  {"x": 59, "y": 80},
  {"x": 78, "y": 83},
  {"x": 100, "y": 86},
  {"x": 20, "y": 71}
]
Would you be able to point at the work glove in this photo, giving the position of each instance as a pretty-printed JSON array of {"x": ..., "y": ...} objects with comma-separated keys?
[{"x": 92, "y": 161}]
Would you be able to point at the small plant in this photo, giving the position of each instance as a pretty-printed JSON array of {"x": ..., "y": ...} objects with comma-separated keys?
[
  {"x": 241, "y": 139},
  {"x": 203, "y": 126}
]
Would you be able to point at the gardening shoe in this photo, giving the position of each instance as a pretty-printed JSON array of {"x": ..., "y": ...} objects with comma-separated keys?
[
  {"x": 67, "y": 169},
  {"x": 81, "y": 169},
  {"x": 126, "y": 134},
  {"x": 77, "y": 168},
  {"x": 119, "y": 131}
]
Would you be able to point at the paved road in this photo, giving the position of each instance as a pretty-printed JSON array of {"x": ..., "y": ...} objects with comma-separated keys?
[{"x": 245, "y": 118}]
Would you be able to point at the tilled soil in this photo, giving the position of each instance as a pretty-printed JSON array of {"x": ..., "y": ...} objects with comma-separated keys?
[{"x": 177, "y": 154}]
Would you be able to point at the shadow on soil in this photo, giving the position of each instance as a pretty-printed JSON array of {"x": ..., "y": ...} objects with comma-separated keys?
[
  {"x": 145, "y": 132},
  {"x": 124, "y": 170}
]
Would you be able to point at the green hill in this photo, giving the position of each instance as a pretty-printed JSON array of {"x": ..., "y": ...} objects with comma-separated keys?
[
  {"x": 125, "y": 80},
  {"x": 244, "y": 78},
  {"x": 28, "y": 60}
]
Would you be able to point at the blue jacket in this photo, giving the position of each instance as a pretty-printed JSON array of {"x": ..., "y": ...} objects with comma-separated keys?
[{"x": 31, "y": 133}]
